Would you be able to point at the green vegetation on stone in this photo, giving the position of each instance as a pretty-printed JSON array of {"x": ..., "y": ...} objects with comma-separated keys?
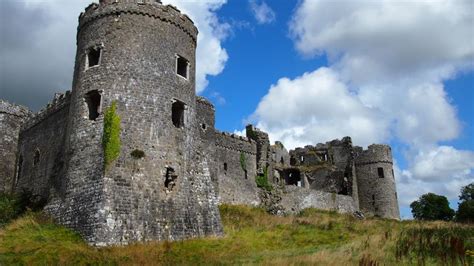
[
  {"x": 111, "y": 137},
  {"x": 243, "y": 161},
  {"x": 137, "y": 154},
  {"x": 262, "y": 180}
]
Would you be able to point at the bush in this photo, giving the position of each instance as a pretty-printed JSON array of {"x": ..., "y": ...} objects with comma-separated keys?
[
  {"x": 262, "y": 181},
  {"x": 137, "y": 154},
  {"x": 14, "y": 205},
  {"x": 111, "y": 138},
  {"x": 465, "y": 211}
]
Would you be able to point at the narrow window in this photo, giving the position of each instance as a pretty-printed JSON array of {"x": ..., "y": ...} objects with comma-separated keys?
[
  {"x": 20, "y": 166},
  {"x": 282, "y": 161},
  {"x": 225, "y": 167},
  {"x": 325, "y": 157},
  {"x": 380, "y": 172},
  {"x": 245, "y": 174},
  {"x": 36, "y": 158},
  {"x": 302, "y": 159},
  {"x": 170, "y": 179},
  {"x": 93, "y": 99},
  {"x": 373, "y": 200},
  {"x": 203, "y": 126},
  {"x": 93, "y": 57},
  {"x": 182, "y": 67},
  {"x": 177, "y": 115}
]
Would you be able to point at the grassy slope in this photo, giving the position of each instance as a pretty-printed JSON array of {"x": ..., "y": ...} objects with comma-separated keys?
[{"x": 253, "y": 237}]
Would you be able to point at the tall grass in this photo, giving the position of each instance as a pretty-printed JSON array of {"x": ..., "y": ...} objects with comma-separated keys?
[{"x": 253, "y": 237}]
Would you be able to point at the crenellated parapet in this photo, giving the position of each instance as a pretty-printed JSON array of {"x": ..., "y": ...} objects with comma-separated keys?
[
  {"x": 14, "y": 109},
  {"x": 59, "y": 101},
  {"x": 375, "y": 153},
  {"x": 147, "y": 8},
  {"x": 235, "y": 143}
]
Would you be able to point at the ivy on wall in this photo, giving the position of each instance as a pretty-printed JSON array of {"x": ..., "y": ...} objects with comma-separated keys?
[
  {"x": 243, "y": 161},
  {"x": 111, "y": 137}
]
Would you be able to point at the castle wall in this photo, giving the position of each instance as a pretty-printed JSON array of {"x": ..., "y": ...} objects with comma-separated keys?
[
  {"x": 327, "y": 167},
  {"x": 41, "y": 143},
  {"x": 168, "y": 194},
  {"x": 11, "y": 118},
  {"x": 377, "y": 195},
  {"x": 236, "y": 184},
  {"x": 296, "y": 199}
]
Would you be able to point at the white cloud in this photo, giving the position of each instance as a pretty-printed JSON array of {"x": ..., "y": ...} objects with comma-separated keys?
[
  {"x": 317, "y": 107},
  {"x": 263, "y": 13},
  {"x": 387, "y": 63},
  {"x": 44, "y": 49}
]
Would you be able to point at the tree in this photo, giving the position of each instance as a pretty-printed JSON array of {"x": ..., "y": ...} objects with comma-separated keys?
[
  {"x": 432, "y": 207},
  {"x": 465, "y": 211}
]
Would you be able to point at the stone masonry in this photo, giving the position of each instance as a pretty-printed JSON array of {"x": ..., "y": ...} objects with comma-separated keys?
[{"x": 174, "y": 166}]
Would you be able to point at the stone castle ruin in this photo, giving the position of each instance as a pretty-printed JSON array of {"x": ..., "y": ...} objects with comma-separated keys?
[{"x": 172, "y": 167}]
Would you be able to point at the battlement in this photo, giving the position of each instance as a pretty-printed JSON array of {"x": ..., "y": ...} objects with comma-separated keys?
[
  {"x": 375, "y": 153},
  {"x": 60, "y": 100},
  {"x": 235, "y": 142},
  {"x": 14, "y": 109},
  {"x": 150, "y": 8},
  {"x": 204, "y": 101}
]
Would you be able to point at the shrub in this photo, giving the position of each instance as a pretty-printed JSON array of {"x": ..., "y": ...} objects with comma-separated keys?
[
  {"x": 14, "y": 205},
  {"x": 111, "y": 137},
  {"x": 432, "y": 207},
  {"x": 137, "y": 154},
  {"x": 262, "y": 181}
]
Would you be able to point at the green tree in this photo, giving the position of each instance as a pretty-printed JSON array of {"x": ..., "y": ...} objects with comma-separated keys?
[
  {"x": 432, "y": 207},
  {"x": 465, "y": 211}
]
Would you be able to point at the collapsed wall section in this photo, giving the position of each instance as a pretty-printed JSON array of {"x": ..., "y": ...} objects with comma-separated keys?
[
  {"x": 41, "y": 149},
  {"x": 12, "y": 117},
  {"x": 236, "y": 158}
]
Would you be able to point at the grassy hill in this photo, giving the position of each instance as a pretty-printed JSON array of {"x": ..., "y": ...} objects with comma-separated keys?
[{"x": 254, "y": 237}]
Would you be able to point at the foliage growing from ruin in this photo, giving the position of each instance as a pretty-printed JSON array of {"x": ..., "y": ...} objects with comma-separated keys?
[
  {"x": 262, "y": 180},
  {"x": 137, "y": 154},
  {"x": 111, "y": 137},
  {"x": 243, "y": 161}
]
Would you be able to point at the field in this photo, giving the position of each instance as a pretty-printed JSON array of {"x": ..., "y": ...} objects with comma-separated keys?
[{"x": 254, "y": 237}]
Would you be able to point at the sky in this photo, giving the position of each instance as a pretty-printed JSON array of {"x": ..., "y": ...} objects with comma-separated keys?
[{"x": 306, "y": 71}]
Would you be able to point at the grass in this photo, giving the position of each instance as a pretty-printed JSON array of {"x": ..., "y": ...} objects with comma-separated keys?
[
  {"x": 111, "y": 136},
  {"x": 254, "y": 237}
]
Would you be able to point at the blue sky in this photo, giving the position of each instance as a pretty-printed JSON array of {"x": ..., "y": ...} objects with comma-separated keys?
[{"x": 307, "y": 71}]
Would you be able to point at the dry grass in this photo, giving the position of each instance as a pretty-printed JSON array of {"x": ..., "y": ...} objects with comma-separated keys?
[{"x": 254, "y": 237}]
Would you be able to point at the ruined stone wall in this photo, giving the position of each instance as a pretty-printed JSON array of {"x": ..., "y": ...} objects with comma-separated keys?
[
  {"x": 280, "y": 160},
  {"x": 376, "y": 181},
  {"x": 167, "y": 194},
  {"x": 264, "y": 153},
  {"x": 41, "y": 149},
  {"x": 295, "y": 199},
  {"x": 236, "y": 158},
  {"x": 327, "y": 167},
  {"x": 11, "y": 118}
]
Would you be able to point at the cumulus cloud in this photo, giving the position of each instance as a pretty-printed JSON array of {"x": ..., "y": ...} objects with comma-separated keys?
[
  {"x": 38, "y": 46},
  {"x": 387, "y": 63},
  {"x": 317, "y": 107},
  {"x": 262, "y": 12}
]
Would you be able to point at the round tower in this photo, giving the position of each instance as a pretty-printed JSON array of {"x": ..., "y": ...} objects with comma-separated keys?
[
  {"x": 376, "y": 182},
  {"x": 11, "y": 118},
  {"x": 139, "y": 56}
]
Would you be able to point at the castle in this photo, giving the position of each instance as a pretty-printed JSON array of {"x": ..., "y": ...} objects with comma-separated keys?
[{"x": 173, "y": 167}]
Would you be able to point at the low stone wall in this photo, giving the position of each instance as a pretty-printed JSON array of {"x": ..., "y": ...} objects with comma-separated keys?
[{"x": 295, "y": 199}]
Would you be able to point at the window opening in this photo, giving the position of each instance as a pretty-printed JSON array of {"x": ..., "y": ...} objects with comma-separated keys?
[
  {"x": 177, "y": 111},
  {"x": 20, "y": 166},
  {"x": 182, "y": 67},
  {"x": 93, "y": 99},
  {"x": 380, "y": 172},
  {"x": 203, "y": 126},
  {"x": 373, "y": 200},
  {"x": 170, "y": 179},
  {"x": 93, "y": 56},
  {"x": 282, "y": 161},
  {"x": 225, "y": 167},
  {"x": 36, "y": 158},
  {"x": 245, "y": 174},
  {"x": 302, "y": 159}
]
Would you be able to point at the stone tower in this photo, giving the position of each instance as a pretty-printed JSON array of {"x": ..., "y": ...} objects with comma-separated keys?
[
  {"x": 140, "y": 55},
  {"x": 376, "y": 181},
  {"x": 11, "y": 119}
]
